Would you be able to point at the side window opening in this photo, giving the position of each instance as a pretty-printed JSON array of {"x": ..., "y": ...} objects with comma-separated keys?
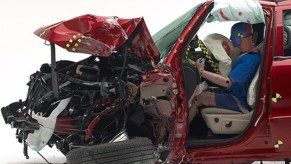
[
  {"x": 258, "y": 33},
  {"x": 287, "y": 32}
]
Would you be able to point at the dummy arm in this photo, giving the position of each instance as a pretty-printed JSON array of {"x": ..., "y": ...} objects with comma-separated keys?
[
  {"x": 213, "y": 77},
  {"x": 216, "y": 78}
]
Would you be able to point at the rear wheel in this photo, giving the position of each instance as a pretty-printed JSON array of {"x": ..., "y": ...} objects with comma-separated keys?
[{"x": 138, "y": 150}]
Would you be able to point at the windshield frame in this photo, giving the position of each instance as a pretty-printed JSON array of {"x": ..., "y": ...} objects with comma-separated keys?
[{"x": 167, "y": 36}]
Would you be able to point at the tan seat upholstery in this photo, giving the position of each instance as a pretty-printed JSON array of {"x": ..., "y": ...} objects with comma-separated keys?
[{"x": 225, "y": 121}]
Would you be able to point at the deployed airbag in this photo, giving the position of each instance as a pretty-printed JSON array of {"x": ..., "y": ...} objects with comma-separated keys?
[{"x": 249, "y": 11}]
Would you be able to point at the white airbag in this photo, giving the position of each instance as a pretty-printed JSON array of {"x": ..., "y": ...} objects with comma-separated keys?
[{"x": 249, "y": 11}]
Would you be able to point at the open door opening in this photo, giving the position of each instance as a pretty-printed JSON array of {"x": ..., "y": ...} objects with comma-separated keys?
[{"x": 216, "y": 126}]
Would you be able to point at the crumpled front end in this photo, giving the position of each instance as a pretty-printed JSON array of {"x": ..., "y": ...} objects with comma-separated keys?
[
  {"x": 100, "y": 99},
  {"x": 101, "y": 36}
]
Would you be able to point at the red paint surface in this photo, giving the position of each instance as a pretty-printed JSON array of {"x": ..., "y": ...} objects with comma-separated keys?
[{"x": 100, "y": 35}]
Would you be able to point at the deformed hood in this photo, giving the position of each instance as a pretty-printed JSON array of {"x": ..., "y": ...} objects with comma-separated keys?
[{"x": 100, "y": 36}]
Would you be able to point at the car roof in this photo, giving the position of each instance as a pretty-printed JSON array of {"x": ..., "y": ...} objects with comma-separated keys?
[{"x": 276, "y": 2}]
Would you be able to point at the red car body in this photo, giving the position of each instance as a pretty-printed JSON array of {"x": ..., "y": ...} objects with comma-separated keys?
[
  {"x": 100, "y": 36},
  {"x": 267, "y": 137}
]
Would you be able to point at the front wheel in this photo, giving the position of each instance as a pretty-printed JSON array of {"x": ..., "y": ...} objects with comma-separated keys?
[{"x": 137, "y": 150}]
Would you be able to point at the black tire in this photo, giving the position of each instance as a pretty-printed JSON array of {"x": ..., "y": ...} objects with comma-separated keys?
[{"x": 138, "y": 150}]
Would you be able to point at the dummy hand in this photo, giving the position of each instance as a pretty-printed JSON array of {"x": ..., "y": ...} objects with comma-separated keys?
[{"x": 200, "y": 64}]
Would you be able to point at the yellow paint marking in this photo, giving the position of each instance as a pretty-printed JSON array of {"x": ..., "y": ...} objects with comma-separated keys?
[
  {"x": 276, "y": 97},
  {"x": 278, "y": 144}
]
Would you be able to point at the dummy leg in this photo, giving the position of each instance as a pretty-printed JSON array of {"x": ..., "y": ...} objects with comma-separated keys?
[{"x": 205, "y": 98}]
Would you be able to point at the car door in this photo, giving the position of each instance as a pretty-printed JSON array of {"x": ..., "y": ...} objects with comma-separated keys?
[
  {"x": 280, "y": 114},
  {"x": 280, "y": 100}
]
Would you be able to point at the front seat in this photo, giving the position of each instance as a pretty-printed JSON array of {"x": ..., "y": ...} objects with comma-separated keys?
[{"x": 225, "y": 121}]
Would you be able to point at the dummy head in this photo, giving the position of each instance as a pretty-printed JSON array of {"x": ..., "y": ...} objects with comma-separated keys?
[{"x": 239, "y": 31}]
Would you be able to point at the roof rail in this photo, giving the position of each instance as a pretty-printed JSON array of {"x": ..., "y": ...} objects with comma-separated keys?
[
  {"x": 274, "y": 0},
  {"x": 279, "y": 0}
]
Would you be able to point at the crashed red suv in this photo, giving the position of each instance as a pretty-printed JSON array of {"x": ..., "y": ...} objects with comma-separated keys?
[{"x": 128, "y": 101}]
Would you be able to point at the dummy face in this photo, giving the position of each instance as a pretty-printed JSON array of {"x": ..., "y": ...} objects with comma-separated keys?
[
  {"x": 247, "y": 41},
  {"x": 226, "y": 47}
]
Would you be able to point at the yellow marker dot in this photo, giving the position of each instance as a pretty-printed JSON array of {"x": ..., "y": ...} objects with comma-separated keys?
[
  {"x": 73, "y": 49},
  {"x": 76, "y": 45},
  {"x": 68, "y": 45},
  {"x": 279, "y": 143},
  {"x": 79, "y": 40},
  {"x": 74, "y": 36},
  {"x": 70, "y": 40},
  {"x": 274, "y": 99}
]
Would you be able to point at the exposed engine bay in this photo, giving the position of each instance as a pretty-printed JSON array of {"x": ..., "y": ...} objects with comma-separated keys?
[{"x": 98, "y": 100}]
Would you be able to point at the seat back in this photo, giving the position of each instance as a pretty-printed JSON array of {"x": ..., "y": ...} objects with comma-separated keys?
[{"x": 252, "y": 91}]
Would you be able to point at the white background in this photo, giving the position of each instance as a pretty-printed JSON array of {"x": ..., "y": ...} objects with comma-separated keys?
[{"x": 22, "y": 53}]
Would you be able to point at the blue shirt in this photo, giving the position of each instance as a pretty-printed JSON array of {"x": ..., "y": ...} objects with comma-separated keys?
[{"x": 242, "y": 73}]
